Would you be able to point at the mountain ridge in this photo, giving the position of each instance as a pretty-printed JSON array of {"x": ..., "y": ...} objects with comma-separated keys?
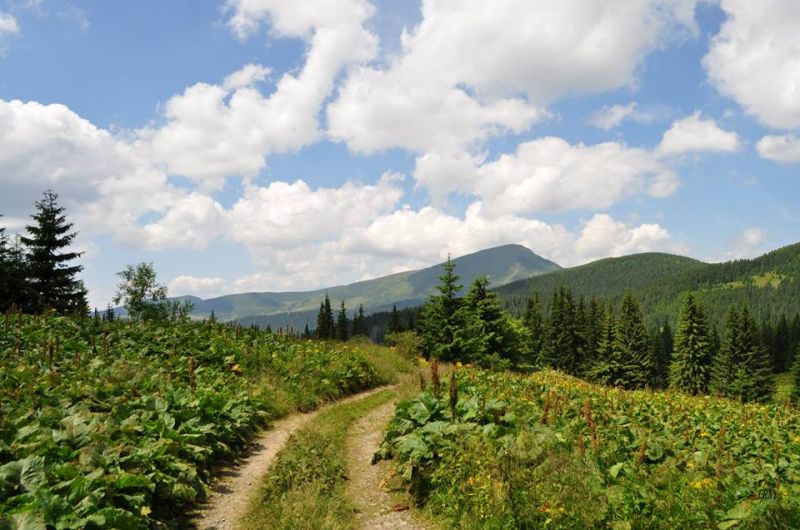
[{"x": 502, "y": 264}]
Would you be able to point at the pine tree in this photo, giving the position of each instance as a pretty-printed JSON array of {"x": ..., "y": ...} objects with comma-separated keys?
[
  {"x": 535, "y": 325},
  {"x": 342, "y": 324},
  {"x": 109, "y": 315},
  {"x": 306, "y": 332},
  {"x": 394, "y": 321},
  {"x": 729, "y": 356},
  {"x": 54, "y": 283},
  {"x": 592, "y": 329},
  {"x": 438, "y": 323},
  {"x": 691, "y": 365},
  {"x": 630, "y": 363},
  {"x": 212, "y": 318}
]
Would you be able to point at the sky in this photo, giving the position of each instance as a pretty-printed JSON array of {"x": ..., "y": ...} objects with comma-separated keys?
[{"x": 272, "y": 145}]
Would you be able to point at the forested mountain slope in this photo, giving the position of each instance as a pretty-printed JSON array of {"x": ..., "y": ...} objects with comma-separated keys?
[{"x": 769, "y": 284}]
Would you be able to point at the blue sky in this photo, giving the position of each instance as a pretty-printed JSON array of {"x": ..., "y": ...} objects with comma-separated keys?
[{"x": 249, "y": 145}]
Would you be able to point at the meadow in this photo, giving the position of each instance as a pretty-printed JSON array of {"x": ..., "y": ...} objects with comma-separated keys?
[
  {"x": 122, "y": 424},
  {"x": 546, "y": 450}
]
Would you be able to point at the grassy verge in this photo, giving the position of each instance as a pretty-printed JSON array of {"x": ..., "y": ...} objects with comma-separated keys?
[{"x": 306, "y": 487}]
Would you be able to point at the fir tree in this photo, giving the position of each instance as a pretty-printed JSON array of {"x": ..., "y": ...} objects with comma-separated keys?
[
  {"x": 109, "y": 315},
  {"x": 394, "y": 321},
  {"x": 53, "y": 281},
  {"x": 212, "y": 318},
  {"x": 342, "y": 324},
  {"x": 535, "y": 325},
  {"x": 691, "y": 365},
  {"x": 592, "y": 330},
  {"x": 306, "y": 332},
  {"x": 728, "y": 357}
]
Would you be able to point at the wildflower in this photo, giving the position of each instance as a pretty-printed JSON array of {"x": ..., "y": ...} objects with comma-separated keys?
[
  {"x": 145, "y": 510},
  {"x": 702, "y": 484}
]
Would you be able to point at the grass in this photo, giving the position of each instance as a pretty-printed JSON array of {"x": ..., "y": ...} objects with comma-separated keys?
[
  {"x": 306, "y": 487},
  {"x": 783, "y": 386}
]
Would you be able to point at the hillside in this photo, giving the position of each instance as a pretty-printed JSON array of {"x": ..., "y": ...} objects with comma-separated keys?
[
  {"x": 769, "y": 284},
  {"x": 502, "y": 264}
]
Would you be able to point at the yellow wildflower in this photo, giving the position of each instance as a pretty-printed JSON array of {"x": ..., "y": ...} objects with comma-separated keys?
[
  {"x": 145, "y": 510},
  {"x": 703, "y": 484}
]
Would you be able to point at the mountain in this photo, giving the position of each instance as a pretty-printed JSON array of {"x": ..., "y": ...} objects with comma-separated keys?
[
  {"x": 502, "y": 264},
  {"x": 769, "y": 284}
]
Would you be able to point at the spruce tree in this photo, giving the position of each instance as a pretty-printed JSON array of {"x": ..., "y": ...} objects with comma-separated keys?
[
  {"x": 781, "y": 345},
  {"x": 360, "y": 323},
  {"x": 109, "y": 315},
  {"x": 14, "y": 287},
  {"x": 497, "y": 338},
  {"x": 535, "y": 325},
  {"x": 561, "y": 349},
  {"x": 795, "y": 395},
  {"x": 743, "y": 368},
  {"x": 663, "y": 346},
  {"x": 342, "y": 324},
  {"x": 592, "y": 330},
  {"x": 394, "y": 321},
  {"x": 438, "y": 323},
  {"x": 691, "y": 365},
  {"x": 755, "y": 379},
  {"x": 728, "y": 357},
  {"x": 54, "y": 283},
  {"x": 631, "y": 357},
  {"x": 325, "y": 324}
]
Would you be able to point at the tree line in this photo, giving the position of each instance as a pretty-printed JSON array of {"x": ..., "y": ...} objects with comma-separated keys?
[
  {"x": 609, "y": 343},
  {"x": 37, "y": 270}
]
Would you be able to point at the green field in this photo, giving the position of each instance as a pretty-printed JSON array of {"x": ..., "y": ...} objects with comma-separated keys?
[
  {"x": 552, "y": 451},
  {"x": 120, "y": 425}
]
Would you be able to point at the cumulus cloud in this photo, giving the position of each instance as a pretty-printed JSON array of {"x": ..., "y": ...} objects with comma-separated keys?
[
  {"x": 8, "y": 24},
  {"x": 784, "y": 149},
  {"x": 552, "y": 175},
  {"x": 747, "y": 244},
  {"x": 695, "y": 134},
  {"x": 755, "y": 59},
  {"x": 213, "y": 132}
]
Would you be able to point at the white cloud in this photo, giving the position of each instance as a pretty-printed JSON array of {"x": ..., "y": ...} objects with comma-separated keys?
[
  {"x": 747, "y": 244},
  {"x": 204, "y": 287},
  {"x": 695, "y": 134},
  {"x": 784, "y": 149},
  {"x": 755, "y": 59},
  {"x": 8, "y": 24},
  {"x": 520, "y": 56},
  {"x": 552, "y": 175},
  {"x": 611, "y": 116},
  {"x": 213, "y": 132}
]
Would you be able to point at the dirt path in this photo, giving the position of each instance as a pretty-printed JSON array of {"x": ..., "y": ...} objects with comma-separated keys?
[
  {"x": 236, "y": 485},
  {"x": 369, "y": 485}
]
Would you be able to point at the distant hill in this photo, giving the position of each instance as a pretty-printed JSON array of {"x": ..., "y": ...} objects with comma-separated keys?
[
  {"x": 769, "y": 284},
  {"x": 501, "y": 264}
]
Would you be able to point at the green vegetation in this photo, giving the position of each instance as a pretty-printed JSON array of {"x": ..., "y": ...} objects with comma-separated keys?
[
  {"x": 769, "y": 285},
  {"x": 120, "y": 424},
  {"x": 499, "y": 450},
  {"x": 306, "y": 487}
]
